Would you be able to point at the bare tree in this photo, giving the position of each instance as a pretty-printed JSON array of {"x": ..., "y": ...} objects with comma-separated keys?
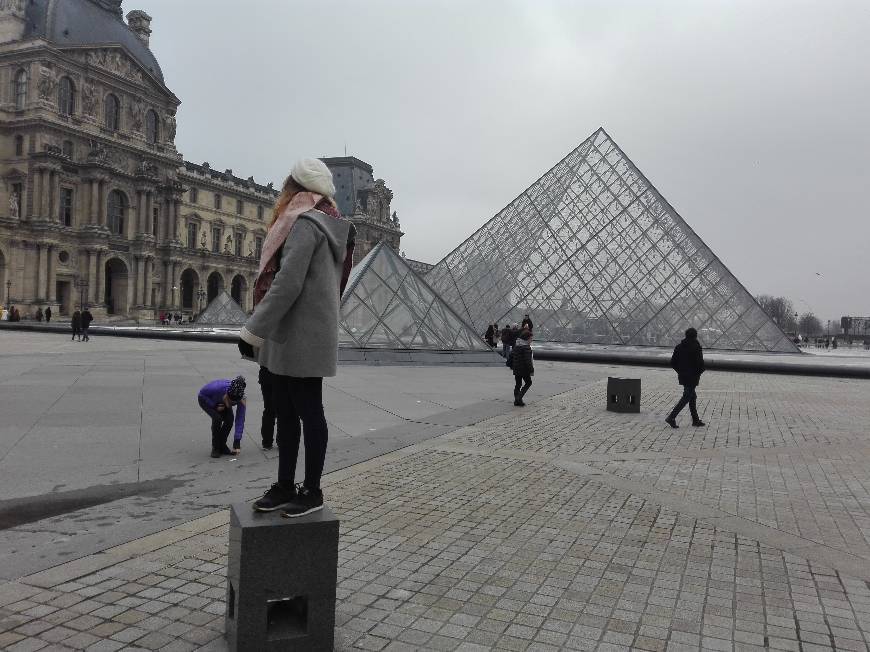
[
  {"x": 809, "y": 324},
  {"x": 780, "y": 310}
]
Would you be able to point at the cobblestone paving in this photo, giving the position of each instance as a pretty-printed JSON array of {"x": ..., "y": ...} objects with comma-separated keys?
[{"x": 556, "y": 526}]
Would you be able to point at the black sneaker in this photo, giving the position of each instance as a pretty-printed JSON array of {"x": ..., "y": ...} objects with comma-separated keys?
[
  {"x": 307, "y": 501},
  {"x": 226, "y": 450},
  {"x": 275, "y": 498},
  {"x": 267, "y": 445},
  {"x": 215, "y": 452},
  {"x": 671, "y": 422},
  {"x": 698, "y": 423}
]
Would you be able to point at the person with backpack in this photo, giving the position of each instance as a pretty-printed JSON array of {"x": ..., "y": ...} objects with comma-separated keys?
[
  {"x": 523, "y": 366},
  {"x": 305, "y": 263},
  {"x": 688, "y": 361}
]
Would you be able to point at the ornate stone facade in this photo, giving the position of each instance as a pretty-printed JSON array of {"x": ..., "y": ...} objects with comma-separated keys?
[
  {"x": 95, "y": 200},
  {"x": 366, "y": 202}
]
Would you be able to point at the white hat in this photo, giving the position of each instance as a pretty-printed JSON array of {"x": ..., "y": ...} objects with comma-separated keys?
[{"x": 312, "y": 174}]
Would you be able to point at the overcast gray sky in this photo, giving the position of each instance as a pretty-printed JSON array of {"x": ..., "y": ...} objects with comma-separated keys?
[{"x": 751, "y": 117}]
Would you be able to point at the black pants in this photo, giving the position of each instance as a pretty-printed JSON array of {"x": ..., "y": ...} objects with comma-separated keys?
[
  {"x": 76, "y": 331},
  {"x": 689, "y": 397},
  {"x": 221, "y": 424},
  {"x": 84, "y": 334},
  {"x": 295, "y": 400},
  {"x": 526, "y": 382},
  {"x": 267, "y": 426}
]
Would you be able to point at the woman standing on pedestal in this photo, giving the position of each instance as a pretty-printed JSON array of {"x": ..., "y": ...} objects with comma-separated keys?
[{"x": 293, "y": 332}]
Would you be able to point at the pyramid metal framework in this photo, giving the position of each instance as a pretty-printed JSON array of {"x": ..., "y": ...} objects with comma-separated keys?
[
  {"x": 387, "y": 305},
  {"x": 222, "y": 310},
  {"x": 595, "y": 254}
]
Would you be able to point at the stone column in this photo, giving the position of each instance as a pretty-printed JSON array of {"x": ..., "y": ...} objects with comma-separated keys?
[
  {"x": 174, "y": 285},
  {"x": 45, "y": 198},
  {"x": 101, "y": 203},
  {"x": 101, "y": 278},
  {"x": 92, "y": 276},
  {"x": 51, "y": 288},
  {"x": 149, "y": 210},
  {"x": 94, "y": 216},
  {"x": 55, "y": 197},
  {"x": 140, "y": 281},
  {"x": 140, "y": 211},
  {"x": 176, "y": 213},
  {"x": 149, "y": 273},
  {"x": 40, "y": 272}
]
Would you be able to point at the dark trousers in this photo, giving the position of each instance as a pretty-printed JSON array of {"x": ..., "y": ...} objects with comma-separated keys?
[
  {"x": 689, "y": 397},
  {"x": 84, "y": 334},
  {"x": 267, "y": 426},
  {"x": 526, "y": 382},
  {"x": 76, "y": 331},
  {"x": 221, "y": 424},
  {"x": 295, "y": 400},
  {"x": 506, "y": 349}
]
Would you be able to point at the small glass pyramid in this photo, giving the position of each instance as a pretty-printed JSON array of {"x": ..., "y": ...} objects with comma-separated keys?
[
  {"x": 387, "y": 305},
  {"x": 594, "y": 254},
  {"x": 222, "y": 310}
]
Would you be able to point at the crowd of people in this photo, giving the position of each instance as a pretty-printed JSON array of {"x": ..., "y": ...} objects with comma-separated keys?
[{"x": 166, "y": 318}]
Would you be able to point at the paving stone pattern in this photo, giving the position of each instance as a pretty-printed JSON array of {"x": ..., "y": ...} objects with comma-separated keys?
[{"x": 555, "y": 526}]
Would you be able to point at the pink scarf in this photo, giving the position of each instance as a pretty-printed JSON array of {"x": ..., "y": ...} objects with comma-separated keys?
[{"x": 301, "y": 202}]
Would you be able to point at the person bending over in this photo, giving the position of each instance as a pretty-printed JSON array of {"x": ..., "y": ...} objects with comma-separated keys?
[{"x": 217, "y": 400}]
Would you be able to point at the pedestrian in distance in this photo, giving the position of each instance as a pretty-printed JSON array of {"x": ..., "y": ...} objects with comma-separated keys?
[
  {"x": 76, "y": 324},
  {"x": 39, "y": 314},
  {"x": 217, "y": 400},
  {"x": 305, "y": 263},
  {"x": 506, "y": 341},
  {"x": 16, "y": 315},
  {"x": 527, "y": 323},
  {"x": 688, "y": 361},
  {"x": 48, "y": 314},
  {"x": 489, "y": 335},
  {"x": 523, "y": 365},
  {"x": 267, "y": 424},
  {"x": 87, "y": 318}
]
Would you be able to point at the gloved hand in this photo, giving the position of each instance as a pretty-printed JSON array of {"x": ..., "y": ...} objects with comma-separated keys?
[{"x": 246, "y": 349}]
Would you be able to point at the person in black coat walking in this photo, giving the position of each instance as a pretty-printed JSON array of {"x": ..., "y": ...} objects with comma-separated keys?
[
  {"x": 688, "y": 362},
  {"x": 522, "y": 365},
  {"x": 48, "y": 314},
  {"x": 87, "y": 318},
  {"x": 76, "y": 324}
]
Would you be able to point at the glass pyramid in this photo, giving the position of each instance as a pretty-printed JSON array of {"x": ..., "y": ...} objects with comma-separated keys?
[
  {"x": 595, "y": 254},
  {"x": 387, "y": 305},
  {"x": 222, "y": 310}
]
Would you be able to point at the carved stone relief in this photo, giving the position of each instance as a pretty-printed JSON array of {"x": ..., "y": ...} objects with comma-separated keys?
[
  {"x": 46, "y": 85},
  {"x": 116, "y": 63},
  {"x": 136, "y": 110},
  {"x": 89, "y": 99}
]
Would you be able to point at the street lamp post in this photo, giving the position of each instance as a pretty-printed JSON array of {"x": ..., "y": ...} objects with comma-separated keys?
[
  {"x": 8, "y": 290},
  {"x": 82, "y": 285},
  {"x": 200, "y": 295}
]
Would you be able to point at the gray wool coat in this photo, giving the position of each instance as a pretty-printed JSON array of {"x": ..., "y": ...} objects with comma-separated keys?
[{"x": 295, "y": 326}]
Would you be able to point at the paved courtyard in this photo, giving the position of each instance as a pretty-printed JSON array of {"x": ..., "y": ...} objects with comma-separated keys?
[{"x": 555, "y": 526}]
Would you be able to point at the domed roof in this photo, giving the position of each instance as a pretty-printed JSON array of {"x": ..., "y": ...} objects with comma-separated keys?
[{"x": 87, "y": 22}]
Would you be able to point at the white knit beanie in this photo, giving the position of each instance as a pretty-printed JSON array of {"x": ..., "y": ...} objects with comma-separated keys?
[{"x": 312, "y": 174}]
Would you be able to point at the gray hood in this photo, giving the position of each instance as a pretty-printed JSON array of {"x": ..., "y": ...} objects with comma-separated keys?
[{"x": 336, "y": 231}]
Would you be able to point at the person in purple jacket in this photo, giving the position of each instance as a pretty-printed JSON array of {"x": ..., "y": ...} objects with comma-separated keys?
[{"x": 217, "y": 399}]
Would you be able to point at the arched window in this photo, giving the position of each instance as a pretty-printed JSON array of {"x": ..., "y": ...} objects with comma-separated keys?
[
  {"x": 19, "y": 145},
  {"x": 152, "y": 127},
  {"x": 112, "y": 112},
  {"x": 117, "y": 204},
  {"x": 65, "y": 96},
  {"x": 19, "y": 88}
]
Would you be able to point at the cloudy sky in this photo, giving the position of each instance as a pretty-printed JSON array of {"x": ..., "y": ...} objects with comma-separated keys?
[{"x": 751, "y": 117}]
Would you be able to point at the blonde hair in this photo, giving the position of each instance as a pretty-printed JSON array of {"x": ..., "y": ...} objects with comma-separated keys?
[{"x": 288, "y": 191}]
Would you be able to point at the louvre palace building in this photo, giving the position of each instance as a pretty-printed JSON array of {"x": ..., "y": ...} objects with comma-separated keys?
[{"x": 97, "y": 206}]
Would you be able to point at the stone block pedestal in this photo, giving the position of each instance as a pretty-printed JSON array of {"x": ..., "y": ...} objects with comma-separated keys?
[
  {"x": 623, "y": 394},
  {"x": 281, "y": 578}
]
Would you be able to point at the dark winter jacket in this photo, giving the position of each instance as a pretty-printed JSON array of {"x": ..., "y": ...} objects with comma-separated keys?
[
  {"x": 688, "y": 362},
  {"x": 527, "y": 323},
  {"x": 521, "y": 359},
  {"x": 87, "y": 318},
  {"x": 506, "y": 335},
  {"x": 76, "y": 321}
]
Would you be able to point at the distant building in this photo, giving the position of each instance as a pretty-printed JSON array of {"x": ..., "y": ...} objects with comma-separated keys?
[{"x": 365, "y": 201}]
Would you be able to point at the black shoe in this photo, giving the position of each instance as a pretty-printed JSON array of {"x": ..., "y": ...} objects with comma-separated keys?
[
  {"x": 698, "y": 423},
  {"x": 225, "y": 450},
  {"x": 275, "y": 498},
  {"x": 267, "y": 445},
  {"x": 215, "y": 452},
  {"x": 518, "y": 402},
  {"x": 671, "y": 422},
  {"x": 307, "y": 501}
]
